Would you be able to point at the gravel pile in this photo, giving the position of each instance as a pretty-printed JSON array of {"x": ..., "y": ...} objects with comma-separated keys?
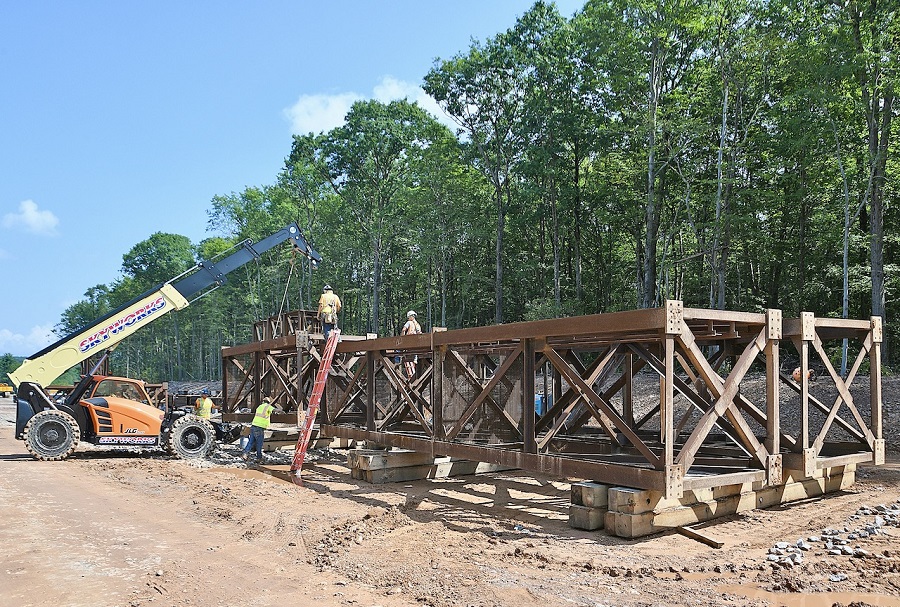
[{"x": 866, "y": 523}]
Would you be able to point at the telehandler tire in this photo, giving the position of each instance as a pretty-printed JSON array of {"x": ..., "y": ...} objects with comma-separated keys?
[
  {"x": 52, "y": 435},
  {"x": 191, "y": 437}
]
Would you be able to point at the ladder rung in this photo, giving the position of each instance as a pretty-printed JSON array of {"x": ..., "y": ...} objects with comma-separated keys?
[{"x": 315, "y": 399}]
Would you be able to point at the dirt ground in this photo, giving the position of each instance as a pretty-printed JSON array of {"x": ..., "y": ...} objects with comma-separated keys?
[{"x": 124, "y": 529}]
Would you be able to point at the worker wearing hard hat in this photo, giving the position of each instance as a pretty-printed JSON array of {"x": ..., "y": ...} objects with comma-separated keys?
[
  {"x": 204, "y": 405},
  {"x": 261, "y": 419},
  {"x": 412, "y": 327},
  {"x": 329, "y": 306}
]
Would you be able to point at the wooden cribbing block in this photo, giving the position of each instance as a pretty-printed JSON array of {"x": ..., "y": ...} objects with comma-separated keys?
[
  {"x": 592, "y": 495},
  {"x": 366, "y": 459},
  {"x": 442, "y": 467},
  {"x": 585, "y": 517},
  {"x": 630, "y": 514},
  {"x": 637, "y": 501},
  {"x": 438, "y": 470}
]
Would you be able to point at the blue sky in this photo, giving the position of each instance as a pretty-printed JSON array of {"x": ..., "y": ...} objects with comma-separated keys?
[{"x": 121, "y": 119}]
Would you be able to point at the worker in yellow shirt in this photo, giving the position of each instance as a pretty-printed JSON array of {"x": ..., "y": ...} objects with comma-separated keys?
[
  {"x": 329, "y": 306},
  {"x": 258, "y": 426},
  {"x": 204, "y": 405}
]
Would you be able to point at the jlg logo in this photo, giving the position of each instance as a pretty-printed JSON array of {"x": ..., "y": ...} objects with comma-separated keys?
[{"x": 133, "y": 431}]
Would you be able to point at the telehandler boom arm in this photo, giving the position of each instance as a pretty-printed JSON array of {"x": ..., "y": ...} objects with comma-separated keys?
[{"x": 45, "y": 366}]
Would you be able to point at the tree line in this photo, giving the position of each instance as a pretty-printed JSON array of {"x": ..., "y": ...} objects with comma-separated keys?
[{"x": 734, "y": 155}]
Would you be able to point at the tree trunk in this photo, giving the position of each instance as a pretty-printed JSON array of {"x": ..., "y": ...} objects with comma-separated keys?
[
  {"x": 845, "y": 294},
  {"x": 444, "y": 286},
  {"x": 579, "y": 291},
  {"x": 651, "y": 210},
  {"x": 554, "y": 215},
  {"x": 376, "y": 283},
  {"x": 501, "y": 227},
  {"x": 717, "y": 296},
  {"x": 878, "y": 99},
  {"x": 429, "y": 322},
  {"x": 876, "y": 221}
]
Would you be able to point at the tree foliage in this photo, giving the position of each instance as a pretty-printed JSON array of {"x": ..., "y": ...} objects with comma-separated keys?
[{"x": 738, "y": 155}]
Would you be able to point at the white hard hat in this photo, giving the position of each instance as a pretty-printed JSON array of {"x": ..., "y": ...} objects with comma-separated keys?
[{"x": 410, "y": 313}]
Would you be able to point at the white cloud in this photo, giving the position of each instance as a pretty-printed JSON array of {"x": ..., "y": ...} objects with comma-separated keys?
[
  {"x": 18, "y": 344},
  {"x": 390, "y": 88},
  {"x": 32, "y": 219},
  {"x": 319, "y": 113}
]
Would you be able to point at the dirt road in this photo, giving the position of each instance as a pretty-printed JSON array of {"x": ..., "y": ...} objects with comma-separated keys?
[{"x": 137, "y": 530}]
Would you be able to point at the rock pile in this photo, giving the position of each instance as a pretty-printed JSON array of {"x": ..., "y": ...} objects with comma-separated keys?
[{"x": 838, "y": 542}]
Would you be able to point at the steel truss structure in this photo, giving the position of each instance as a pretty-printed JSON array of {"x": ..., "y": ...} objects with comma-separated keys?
[
  {"x": 569, "y": 397},
  {"x": 279, "y": 363}
]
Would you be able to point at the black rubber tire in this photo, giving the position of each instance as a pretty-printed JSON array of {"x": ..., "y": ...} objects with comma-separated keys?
[
  {"x": 52, "y": 435},
  {"x": 191, "y": 437}
]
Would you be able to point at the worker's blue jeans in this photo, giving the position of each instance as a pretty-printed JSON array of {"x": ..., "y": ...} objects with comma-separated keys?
[
  {"x": 326, "y": 329},
  {"x": 257, "y": 435}
]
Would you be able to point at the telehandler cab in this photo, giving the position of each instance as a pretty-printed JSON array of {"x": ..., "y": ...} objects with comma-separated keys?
[{"x": 116, "y": 411}]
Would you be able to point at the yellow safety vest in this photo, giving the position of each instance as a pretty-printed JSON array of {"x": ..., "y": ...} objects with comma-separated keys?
[
  {"x": 329, "y": 306},
  {"x": 411, "y": 328},
  {"x": 262, "y": 416},
  {"x": 204, "y": 407}
]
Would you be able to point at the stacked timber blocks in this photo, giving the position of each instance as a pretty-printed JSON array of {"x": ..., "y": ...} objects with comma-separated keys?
[
  {"x": 590, "y": 503},
  {"x": 400, "y": 465},
  {"x": 630, "y": 513}
]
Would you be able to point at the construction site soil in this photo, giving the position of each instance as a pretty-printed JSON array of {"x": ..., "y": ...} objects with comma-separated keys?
[{"x": 107, "y": 528}]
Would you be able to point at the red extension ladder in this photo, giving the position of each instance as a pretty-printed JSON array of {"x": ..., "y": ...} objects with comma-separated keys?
[{"x": 318, "y": 388}]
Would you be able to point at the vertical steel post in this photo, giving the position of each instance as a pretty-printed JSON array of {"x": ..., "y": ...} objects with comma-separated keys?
[
  {"x": 773, "y": 412},
  {"x": 628, "y": 391},
  {"x": 875, "y": 377},
  {"x": 666, "y": 416},
  {"x": 773, "y": 396},
  {"x": 528, "y": 349},
  {"x": 557, "y": 385},
  {"x": 226, "y": 406},
  {"x": 302, "y": 338},
  {"x": 370, "y": 390},
  {"x": 878, "y": 457},
  {"x": 257, "y": 383},
  {"x": 437, "y": 402},
  {"x": 808, "y": 334},
  {"x": 674, "y": 327}
]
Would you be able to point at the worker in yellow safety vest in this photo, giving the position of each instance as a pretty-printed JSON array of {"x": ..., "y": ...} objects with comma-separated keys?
[
  {"x": 204, "y": 405},
  {"x": 329, "y": 306},
  {"x": 258, "y": 427}
]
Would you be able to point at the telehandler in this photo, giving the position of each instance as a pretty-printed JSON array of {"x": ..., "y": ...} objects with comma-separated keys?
[{"x": 116, "y": 411}]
